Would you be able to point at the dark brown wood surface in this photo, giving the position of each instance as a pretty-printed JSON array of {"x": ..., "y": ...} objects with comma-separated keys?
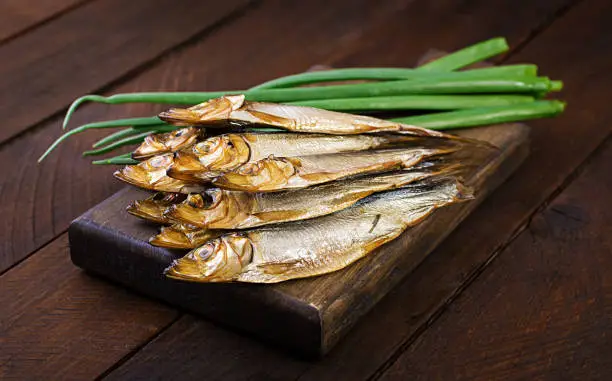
[
  {"x": 42, "y": 81},
  {"x": 542, "y": 310},
  {"x": 20, "y": 16},
  {"x": 51, "y": 311},
  {"x": 568, "y": 39}
]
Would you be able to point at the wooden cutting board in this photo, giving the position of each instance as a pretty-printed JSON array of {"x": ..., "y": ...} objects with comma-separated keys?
[{"x": 307, "y": 316}]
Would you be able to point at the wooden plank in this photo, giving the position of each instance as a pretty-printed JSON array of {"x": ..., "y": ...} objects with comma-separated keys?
[
  {"x": 449, "y": 25},
  {"x": 41, "y": 200},
  {"x": 19, "y": 16},
  {"x": 193, "y": 349},
  {"x": 58, "y": 323},
  {"x": 82, "y": 51},
  {"x": 307, "y": 316},
  {"x": 542, "y": 311}
]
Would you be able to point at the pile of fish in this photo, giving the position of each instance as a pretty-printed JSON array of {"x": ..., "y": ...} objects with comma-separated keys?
[{"x": 319, "y": 192}]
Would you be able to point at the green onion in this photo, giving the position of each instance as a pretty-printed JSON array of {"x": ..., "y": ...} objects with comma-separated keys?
[
  {"x": 263, "y": 129},
  {"x": 485, "y": 115},
  {"x": 415, "y": 102},
  {"x": 556, "y": 86},
  {"x": 439, "y": 84},
  {"x": 386, "y": 74},
  {"x": 135, "y": 122},
  {"x": 405, "y": 87},
  {"x": 104, "y": 124},
  {"x": 433, "y": 85},
  {"x": 127, "y": 132},
  {"x": 467, "y": 56},
  {"x": 450, "y": 62},
  {"x": 479, "y": 96},
  {"x": 433, "y": 102},
  {"x": 125, "y": 159},
  {"x": 126, "y": 141}
]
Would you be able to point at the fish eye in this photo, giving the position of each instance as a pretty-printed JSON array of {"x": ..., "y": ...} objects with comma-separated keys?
[
  {"x": 207, "y": 200},
  {"x": 180, "y": 133},
  {"x": 206, "y": 251},
  {"x": 158, "y": 196},
  {"x": 230, "y": 144}
]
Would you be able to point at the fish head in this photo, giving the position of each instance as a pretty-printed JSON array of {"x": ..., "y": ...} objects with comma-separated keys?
[
  {"x": 151, "y": 174},
  {"x": 214, "y": 110},
  {"x": 147, "y": 172},
  {"x": 156, "y": 144},
  {"x": 263, "y": 175},
  {"x": 219, "y": 260},
  {"x": 153, "y": 208},
  {"x": 222, "y": 153},
  {"x": 213, "y": 208},
  {"x": 175, "y": 237}
]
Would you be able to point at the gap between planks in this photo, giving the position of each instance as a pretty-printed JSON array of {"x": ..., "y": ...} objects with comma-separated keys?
[
  {"x": 45, "y": 20},
  {"x": 143, "y": 344}
]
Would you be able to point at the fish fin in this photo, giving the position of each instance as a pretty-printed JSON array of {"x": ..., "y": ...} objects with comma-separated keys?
[
  {"x": 280, "y": 215},
  {"x": 374, "y": 223},
  {"x": 273, "y": 120},
  {"x": 365, "y": 128},
  {"x": 285, "y": 268}
]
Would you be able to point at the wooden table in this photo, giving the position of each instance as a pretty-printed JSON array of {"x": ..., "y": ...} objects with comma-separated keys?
[{"x": 522, "y": 290}]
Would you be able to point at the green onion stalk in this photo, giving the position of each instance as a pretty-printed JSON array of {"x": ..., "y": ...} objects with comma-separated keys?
[{"x": 467, "y": 98}]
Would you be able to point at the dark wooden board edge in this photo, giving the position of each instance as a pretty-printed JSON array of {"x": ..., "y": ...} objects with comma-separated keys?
[
  {"x": 140, "y": 266},
  {"x": 309, "y": 325}
]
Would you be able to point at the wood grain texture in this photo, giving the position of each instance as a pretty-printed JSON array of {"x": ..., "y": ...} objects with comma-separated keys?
[
  {"x": 18, "y": 16},
  {"x": 42, "y": 199},
  {"x": 86, "y": 49},
  {"x": 543, "y": 310},
  {"x": 193, "y": 349},
  {"x": 58, "y": 323},
  {"x": 449, "y": 25}
]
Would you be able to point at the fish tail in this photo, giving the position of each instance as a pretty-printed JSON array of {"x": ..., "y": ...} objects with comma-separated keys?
[{"x": 463, "y": 192}]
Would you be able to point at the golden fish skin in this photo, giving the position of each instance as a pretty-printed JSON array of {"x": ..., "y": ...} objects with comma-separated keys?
[
  {"x": 151, "y": 174},
  {"x": 228, "y": 152},
  {"x": 224, "y": 209},
  {"x": 234, "y": 108},
  {"x": 274, "y": 174},
  {"x": 317, "y": 246},
  {"x": 157, "y": 144},
  {"x": 153, "y": 208},
  {"x": 182, "y": 236}
]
